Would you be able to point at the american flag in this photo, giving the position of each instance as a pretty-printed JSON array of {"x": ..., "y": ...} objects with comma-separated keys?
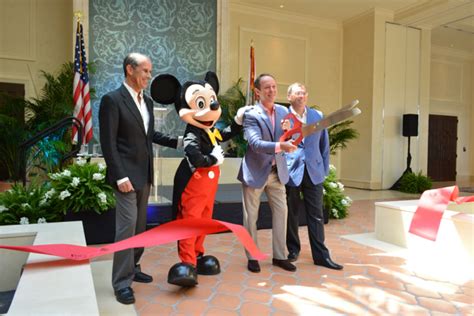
[
  {"x": 250, "y": 97},
  {"x": 82, "y": 103}
]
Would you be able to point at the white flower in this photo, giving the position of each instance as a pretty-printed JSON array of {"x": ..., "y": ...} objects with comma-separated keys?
[
  {"x": 344, "y": 202},
  {"x": 64, "y": 194},
  {"x": 25, "y": 205},
  {"x": 49, "y": 194},
  {"x": 66, "y": 173},
  {"x": 80, "y": 161},
  {"x": 348, "y": 199},
  {"x": 31, "y": 193},
  {"x": 3, "y": 208},
  {"x": 335, "y": 213},
  {"x": 324, "y": 191},
  {"x": 24, "y": 221},
  {"x": 332, "y": 168},
  {"x": 55, "y": 176},
  {"x": 98, "y": 176},
  {"x": 75, "y": 181},
  {"x": 41, "y": 220},
  {"x": 102, "y": 197},
  {"x": 43, "y": 201},
  {"x": 341, "y": 186},
  {"x": 101, "y": 166},
  {"x": 333, "y": 185}
]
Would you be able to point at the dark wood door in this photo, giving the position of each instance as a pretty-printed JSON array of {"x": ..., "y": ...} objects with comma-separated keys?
[
  {"x": 15, "y": 90},
  {"x": 442, "y": 141}
]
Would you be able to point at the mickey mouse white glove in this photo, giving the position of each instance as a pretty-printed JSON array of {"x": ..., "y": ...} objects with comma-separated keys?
[
  {"x": 218, "y": 153},
  {"x": 239, "y": 116}
]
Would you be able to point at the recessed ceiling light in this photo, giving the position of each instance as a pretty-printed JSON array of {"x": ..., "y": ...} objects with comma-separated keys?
[{"x": 281, "y": 6}]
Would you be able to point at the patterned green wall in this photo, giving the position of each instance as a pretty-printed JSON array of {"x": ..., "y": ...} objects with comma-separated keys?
[{"x": 178, "y": 35}]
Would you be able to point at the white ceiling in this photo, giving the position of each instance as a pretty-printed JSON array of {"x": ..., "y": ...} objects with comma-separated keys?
[
  {"x": 338, "y": 10},
  {"x": 451, "y": 21},
  {"x": 457, "y": 14}
]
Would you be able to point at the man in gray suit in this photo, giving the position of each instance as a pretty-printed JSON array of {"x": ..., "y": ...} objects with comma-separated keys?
[
  {"x": 264, "y": 169},
  {"x": 126, "y": 137}
]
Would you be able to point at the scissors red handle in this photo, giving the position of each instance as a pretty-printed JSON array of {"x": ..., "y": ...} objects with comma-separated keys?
[{"x": 296, "y": 129}]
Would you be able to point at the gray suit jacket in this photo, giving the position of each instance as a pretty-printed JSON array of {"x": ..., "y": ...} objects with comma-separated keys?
[{"x": 257, "y": 162}]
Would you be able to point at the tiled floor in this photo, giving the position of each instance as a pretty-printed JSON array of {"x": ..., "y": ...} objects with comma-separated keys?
[{"x": 373, "y": 282}]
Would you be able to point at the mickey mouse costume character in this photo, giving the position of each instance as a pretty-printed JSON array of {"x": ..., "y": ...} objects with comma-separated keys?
[{"x": 196, "y": 179}]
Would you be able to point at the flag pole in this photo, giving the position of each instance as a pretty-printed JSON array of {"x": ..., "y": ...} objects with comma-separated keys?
[{"x": 250, "y": 95}]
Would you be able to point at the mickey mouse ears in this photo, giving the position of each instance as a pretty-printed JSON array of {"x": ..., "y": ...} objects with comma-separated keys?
[{"x": 165, "y": 89}]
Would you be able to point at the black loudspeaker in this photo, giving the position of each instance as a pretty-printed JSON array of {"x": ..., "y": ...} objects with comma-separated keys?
[{"x": 410, "y": 125}]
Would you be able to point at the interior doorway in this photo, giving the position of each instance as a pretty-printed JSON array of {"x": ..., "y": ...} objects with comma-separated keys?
[
  {"x": 16, "y": 90},
  {"x": 442, "y": 144}
]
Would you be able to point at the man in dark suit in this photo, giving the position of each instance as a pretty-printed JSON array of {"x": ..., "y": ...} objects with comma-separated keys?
[
  {"x": 308, "y": 166},
  {"x": 126, "y": 137},
  {"x": 264, "y": 169}
]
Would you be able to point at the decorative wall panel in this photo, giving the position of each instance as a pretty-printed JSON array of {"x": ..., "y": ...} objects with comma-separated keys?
[{"x": 178, "y": 35}]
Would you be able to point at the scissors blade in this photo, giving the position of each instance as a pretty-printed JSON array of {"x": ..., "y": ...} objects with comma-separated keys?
[{"x": 336, "y": 117}]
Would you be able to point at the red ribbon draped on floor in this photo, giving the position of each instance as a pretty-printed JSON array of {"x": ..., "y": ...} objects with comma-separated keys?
[
  {"x": 169, "y": 232},
  {"x": 432, "y": 204}
]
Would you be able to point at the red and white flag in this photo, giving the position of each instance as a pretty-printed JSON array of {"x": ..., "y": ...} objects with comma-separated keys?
[
  {"x": 250, "y": 96},
  {"x": 81, "y": 96}
]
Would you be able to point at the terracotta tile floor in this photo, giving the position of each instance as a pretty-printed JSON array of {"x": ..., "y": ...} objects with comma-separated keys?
[{"x": 373, "y": 282}]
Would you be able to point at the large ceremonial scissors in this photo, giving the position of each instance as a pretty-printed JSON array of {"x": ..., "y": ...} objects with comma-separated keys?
[{"x": 302, "y": 130}]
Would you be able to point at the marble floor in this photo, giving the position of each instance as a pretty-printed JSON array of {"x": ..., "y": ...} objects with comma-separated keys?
[{"x": 376, "y": 280}]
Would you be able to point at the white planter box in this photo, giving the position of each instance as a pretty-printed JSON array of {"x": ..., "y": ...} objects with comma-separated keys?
[{"x": 455, "y": 236}]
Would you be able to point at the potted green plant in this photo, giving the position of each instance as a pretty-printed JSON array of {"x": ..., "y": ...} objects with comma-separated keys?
[
  {"x": 20, "y": 119},
  {"x": 28, "y": 205},
  {"x": 414, "y": 183},
  {"x": 231, "y": 101},
  {"x": 81, "y": 193}
]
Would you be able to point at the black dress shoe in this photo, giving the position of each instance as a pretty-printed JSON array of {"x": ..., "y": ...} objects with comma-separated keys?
[
  {"x": 125, "y": 295},
  {"x": 293, "y": 256},
  {"x": 328, "y": 263},
  {"x": 284, "y": 264},
  {"x": 142, "y": 277},
  {"x": 253, "y": 266}
]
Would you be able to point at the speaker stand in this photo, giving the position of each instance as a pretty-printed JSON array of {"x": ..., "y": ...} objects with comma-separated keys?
[{"x": 396, "y": 185}]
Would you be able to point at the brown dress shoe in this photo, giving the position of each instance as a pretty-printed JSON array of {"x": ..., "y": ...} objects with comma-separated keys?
[{"x": 284, "y": 264}]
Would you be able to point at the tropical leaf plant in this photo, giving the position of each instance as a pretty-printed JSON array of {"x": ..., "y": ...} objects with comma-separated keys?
[
  {"x": 231, "y": 101},
  {"x": 340, "y": 134}
]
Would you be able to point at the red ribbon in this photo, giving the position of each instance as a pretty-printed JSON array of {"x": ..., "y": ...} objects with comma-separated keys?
[
  {"x": 169, "y": 232},
  {"x": 432, "y": 204}
]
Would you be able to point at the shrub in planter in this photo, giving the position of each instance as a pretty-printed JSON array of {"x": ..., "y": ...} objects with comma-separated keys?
[
  {"x": 28, "y": 205},
  {"x": 334, "y": 198},
  {"x": 82, "y": 187},
  {"x": 82, "y": 194},
  {"x": 415, "y": 183}
]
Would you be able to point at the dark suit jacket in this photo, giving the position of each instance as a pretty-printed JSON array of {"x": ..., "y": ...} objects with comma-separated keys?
[{"x": 127, "y": 149}]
